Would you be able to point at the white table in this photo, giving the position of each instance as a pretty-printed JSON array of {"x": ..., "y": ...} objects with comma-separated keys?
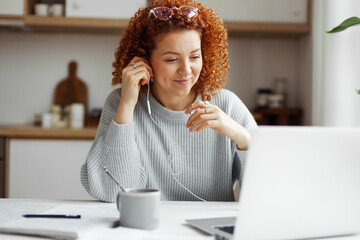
[{"x": 172, "y": 215}]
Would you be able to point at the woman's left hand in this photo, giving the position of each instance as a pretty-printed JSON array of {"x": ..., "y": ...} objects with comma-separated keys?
[{"x": 211, "y": 116}]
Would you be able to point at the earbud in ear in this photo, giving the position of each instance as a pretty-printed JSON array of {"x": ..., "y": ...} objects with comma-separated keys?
[{"x": 151, "y": 79}]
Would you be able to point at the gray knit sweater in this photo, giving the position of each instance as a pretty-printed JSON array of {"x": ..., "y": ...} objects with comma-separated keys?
[{"x": 169, "y": 158}]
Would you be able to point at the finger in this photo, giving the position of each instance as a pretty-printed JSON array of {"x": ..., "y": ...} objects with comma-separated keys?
[
  {"x": 200, "y": 121},
  {"x": 139, "y": 61},
  {"x": 193, "y": 127},
  {"x": 206, "y": 117},
  {"x": 192, "y": 106},
  {"x": 136, "y": 72},
  {"x": 196, "y": 105},
  {"x": 137, "y": 78},
  {"x": 143, "y": 66},
  {"x": 194, "y": 116},
  {"x": 146, "y": 79},
  {"x": 208, "y": 124},
  {"x": 199, "y": 114}
]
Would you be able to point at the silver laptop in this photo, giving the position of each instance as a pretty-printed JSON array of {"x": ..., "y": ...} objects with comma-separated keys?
[{"x": 299, "y": 183}]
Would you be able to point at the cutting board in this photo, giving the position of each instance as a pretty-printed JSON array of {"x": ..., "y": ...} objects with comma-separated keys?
[{"x": 71, "y": 89}]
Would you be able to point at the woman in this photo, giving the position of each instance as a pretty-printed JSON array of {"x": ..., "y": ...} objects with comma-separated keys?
[{"x": 171, "y": 126}]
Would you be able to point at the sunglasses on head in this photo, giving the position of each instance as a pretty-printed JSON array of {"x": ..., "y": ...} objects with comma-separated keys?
[{"x": 165, "y": 13}]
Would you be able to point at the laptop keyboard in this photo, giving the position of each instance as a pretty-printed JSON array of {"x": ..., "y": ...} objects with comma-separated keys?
[{"x": 228, "y": 229}]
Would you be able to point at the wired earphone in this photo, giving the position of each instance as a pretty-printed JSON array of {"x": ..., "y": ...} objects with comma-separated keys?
[{"x": 170, "y": 168}]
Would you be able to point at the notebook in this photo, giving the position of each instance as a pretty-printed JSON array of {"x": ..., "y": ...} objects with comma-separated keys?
[{"x": 299, "y": 183}]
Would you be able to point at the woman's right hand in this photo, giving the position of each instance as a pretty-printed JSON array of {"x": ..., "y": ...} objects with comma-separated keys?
[
  {"x": 138, "y": 72},
  {"x": 135, "y": 74}
]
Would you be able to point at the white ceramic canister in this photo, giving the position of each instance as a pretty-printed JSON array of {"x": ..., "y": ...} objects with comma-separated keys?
[
  {"x": 77, "y": 115},
  {"x": 46, "y": 120},
  {"x": 41, "y": 9}
]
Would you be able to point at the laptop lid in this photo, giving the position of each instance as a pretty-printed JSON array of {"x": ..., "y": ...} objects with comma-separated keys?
[{"x": 300, "y": 182}]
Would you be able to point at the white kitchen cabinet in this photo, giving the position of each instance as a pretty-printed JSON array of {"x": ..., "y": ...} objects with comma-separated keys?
[
  {"x": 280, "y": 11},
  {"x": 270, "y": 18},
  {"x": 121, "y": 9},
  {"x": 12, "y": 7},
  {"x": 47, "y": 169}
]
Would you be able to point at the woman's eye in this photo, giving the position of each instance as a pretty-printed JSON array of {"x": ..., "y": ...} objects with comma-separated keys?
[
  {"x": 195, "y": 57},
  {"x": 171, "y": 60}
]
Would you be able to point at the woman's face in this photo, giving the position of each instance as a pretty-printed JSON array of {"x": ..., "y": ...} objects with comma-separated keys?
[{"x": 176, "y": 62}]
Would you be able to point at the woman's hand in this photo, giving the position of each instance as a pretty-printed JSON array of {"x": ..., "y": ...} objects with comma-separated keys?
[
  {"x": 211, "y": 116},
  {"x": 138, "y": 72},
  {"x": 135, "y": 74}
]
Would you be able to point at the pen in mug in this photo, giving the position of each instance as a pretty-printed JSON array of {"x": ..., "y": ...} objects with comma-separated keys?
[
  {"x": 111, "y": 176},
  {"x": 51, "y": 216}
]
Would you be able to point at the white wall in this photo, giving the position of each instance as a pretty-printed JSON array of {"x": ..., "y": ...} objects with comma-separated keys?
[
  {"x": 257, "y": 62},
  {"x": 31, "y": 64}
]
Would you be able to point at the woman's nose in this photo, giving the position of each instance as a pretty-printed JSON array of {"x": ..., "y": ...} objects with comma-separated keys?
[{"x": 185, "y": 68}]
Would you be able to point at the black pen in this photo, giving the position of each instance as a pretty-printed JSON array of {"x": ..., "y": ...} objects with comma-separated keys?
[{"x": 51, "y": 216}]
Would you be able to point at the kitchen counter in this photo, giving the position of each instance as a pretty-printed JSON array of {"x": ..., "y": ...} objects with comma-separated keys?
[{"x": 32, "y": 132}]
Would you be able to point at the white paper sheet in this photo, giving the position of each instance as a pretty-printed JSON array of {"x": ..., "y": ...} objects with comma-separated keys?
[
  {"x": 12, "y": 210},
  {"x": 91, "y": 216}
]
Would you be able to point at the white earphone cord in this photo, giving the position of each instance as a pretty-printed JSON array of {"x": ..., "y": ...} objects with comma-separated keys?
[{"x": 170, "y": 169}]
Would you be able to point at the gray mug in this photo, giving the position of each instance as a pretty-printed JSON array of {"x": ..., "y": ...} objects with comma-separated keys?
[{"x": 139, "y": 208}]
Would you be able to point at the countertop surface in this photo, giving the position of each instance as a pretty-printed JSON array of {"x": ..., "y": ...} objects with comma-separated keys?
[{"x": 32, "y": 132}]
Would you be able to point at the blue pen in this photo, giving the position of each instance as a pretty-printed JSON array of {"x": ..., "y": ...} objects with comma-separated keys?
[{"x": 51, "y": 216}]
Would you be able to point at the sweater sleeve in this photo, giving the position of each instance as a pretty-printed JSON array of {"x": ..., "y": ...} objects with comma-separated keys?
[
  {"x": 115, "y": 148},
  {"x": 241, "y": 114}
]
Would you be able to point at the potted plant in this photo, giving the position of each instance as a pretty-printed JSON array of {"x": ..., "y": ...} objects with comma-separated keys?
[{"x": 344, "y": 25}]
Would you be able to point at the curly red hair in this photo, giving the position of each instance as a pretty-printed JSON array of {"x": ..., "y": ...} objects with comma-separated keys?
[{"x": 138, "y": 40}]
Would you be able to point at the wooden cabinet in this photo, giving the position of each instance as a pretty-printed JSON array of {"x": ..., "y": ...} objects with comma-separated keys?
[
  {"x": 2, "y": 166},
  {"x": 116, "y": 9},
  {"x": 278, "y": 116},
  {"x": 254, "y": 18},
  {"x": 264, "y": 17},
  {"x": 280, "y": 11}
]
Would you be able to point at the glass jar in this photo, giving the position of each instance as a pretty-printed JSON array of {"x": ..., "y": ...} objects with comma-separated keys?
[{"x": 262, "y": 97}]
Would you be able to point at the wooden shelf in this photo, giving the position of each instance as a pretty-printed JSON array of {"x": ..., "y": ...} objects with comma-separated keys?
[
  {"x": 48, "y": 133},
  {"x": 75, "y": 24},
  {"x": 251, "y": 29},
  {"x": 2, "y": 16}
]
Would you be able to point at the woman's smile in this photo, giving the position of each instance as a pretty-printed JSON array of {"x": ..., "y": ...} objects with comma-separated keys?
[{"x": 183, "y": 81}]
